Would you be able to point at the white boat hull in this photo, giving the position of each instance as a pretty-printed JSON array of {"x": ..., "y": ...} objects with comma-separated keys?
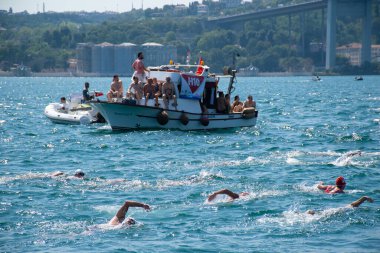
[
  {"x": 126, "y": 116},
  {"x": 53, "y": 112}
]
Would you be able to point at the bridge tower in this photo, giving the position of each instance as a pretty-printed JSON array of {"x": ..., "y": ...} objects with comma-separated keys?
[{"x": 354, "y": 8}]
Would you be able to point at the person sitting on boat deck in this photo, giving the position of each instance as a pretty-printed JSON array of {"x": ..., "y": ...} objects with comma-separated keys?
[
  {"x": 119, "y": 217},
  {"x": 221, "y": 103},
  {"x": 157, "y": 90},
  {"x": 228, "y": 103},
  {"x": 340, "y": 184},
  {"x": 86, "y": 95},
  {"x": 249, "y": 103},
  {"x": 139, "y": 67},
  {"x": 149, "y": 90},
  {"x": 237, "y": 106},
  {"x": 168, "y": 92},
  {"x": 78, "y": 174},
  {"x": 116, "y": 90},
  {"x": 354, "y": 204},
  {"x": 64, "y": 106},
  {"x": 135, "y": 89},
  {"x": 227, "y": 192}
]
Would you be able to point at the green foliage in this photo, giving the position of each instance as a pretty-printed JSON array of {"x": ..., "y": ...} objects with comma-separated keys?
[{"x": 48, "y": 40}]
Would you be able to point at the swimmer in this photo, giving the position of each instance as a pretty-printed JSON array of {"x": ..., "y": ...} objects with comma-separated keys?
[
  {"x": 78, "y": 174},
  {"x": 339, "y": 186},
  {"x": 227, "y": 192},
  {"x": 354, "y": 153},
  {"x": 119, "y": 218},
  {"x": 356, "y": 203}
]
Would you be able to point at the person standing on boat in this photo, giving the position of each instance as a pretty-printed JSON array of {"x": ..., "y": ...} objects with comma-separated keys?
[
  {"x": 119, "y": 218},
  {"x": 86, "y": 95},
  {"x": 249, "y": 103},
  {"x": 139, "y": 68},
  {"x": 168, "y": 92},
  {"x": 340, "y": 184},
  {"x": 148, "y": 90},
  {"x": 116, "y": 90}
]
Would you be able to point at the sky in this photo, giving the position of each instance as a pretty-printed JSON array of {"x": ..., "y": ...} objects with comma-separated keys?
[{"x": 34, "y": 6}]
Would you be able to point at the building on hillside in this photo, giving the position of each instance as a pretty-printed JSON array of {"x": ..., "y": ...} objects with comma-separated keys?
[
  {"x": 157, "y": 54},
  {"x": 180, "y": 10},
  {"x": 84, "y": 57},
  {"x": 202, "y": 9},
  {"x": 125, "y": 54},
  {"x": 106, "y": 59},
  {"x": 353, "y": 53},
  {"x": 230, "y": 3}
]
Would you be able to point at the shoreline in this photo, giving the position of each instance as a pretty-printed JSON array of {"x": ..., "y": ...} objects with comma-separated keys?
[{"x": 260, "y": 74}]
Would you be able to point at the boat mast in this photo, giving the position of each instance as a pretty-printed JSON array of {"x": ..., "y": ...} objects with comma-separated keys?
[{"x": 231, "y": 87}]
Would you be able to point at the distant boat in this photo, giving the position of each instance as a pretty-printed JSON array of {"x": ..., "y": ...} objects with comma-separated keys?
[
  {"x": 316, "y": 78},
  {"x": 358, "y": 78},
  {"x": 21, "y": 70},
  {"x": 248, "y": 71}
]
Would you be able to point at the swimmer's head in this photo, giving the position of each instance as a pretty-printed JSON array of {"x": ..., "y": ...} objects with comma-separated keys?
[
  {"x": 340, "y": 182},
  {"x": 311, "y": 212},
  {"x": 130, "y": 221},
  {"x": 79, "y": 173}
]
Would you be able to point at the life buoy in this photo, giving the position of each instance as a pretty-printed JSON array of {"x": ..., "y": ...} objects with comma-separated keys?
[
  {"x": 204, "y": 120},
  {"x": 248, "y": 113},
  {"x": 162, "y": 118},
  {"x": 184, "y": 119}
]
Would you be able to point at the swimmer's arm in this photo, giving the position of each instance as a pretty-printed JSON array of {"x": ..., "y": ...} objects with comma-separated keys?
[
  {"x": 224, "y": 191},
  {"x": 322, "y": 187},
  {"x": 58, "y": 173},
  {"x": 120, "y": 215},
  {"x": 124, "y": 209},
  {"x": 361, "y": 200}
]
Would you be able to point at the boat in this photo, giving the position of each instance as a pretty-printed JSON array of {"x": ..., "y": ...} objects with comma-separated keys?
[
  {"x": 248, "y": 71},
  {"x": 75, "y": 112},
  {"x": 316, "y": 79},
  {"x": 195, "y": 108},
  {"x": 358, "y": 78}
]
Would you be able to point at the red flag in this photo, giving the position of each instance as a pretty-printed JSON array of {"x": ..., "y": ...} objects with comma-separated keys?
[{"x": 200, "y": 66}]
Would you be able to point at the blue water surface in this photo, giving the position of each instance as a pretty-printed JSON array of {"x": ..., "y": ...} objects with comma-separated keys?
[{"x": 305, "y": 134}]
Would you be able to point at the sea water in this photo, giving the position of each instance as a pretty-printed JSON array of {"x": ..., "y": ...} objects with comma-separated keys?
[{"x": 305, "y": 134}]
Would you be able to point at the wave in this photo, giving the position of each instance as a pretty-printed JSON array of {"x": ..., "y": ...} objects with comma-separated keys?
[
  {"x": 293, "y": 161},
  {"x": 248, "y": 196},
  {"x": 203, "y": 177},
  {"x": 306, "y": 188},
  {"x": 26, "y": 176},
  {"x": 346, "y": 159},
  {"x": 295, "y": 217}
]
